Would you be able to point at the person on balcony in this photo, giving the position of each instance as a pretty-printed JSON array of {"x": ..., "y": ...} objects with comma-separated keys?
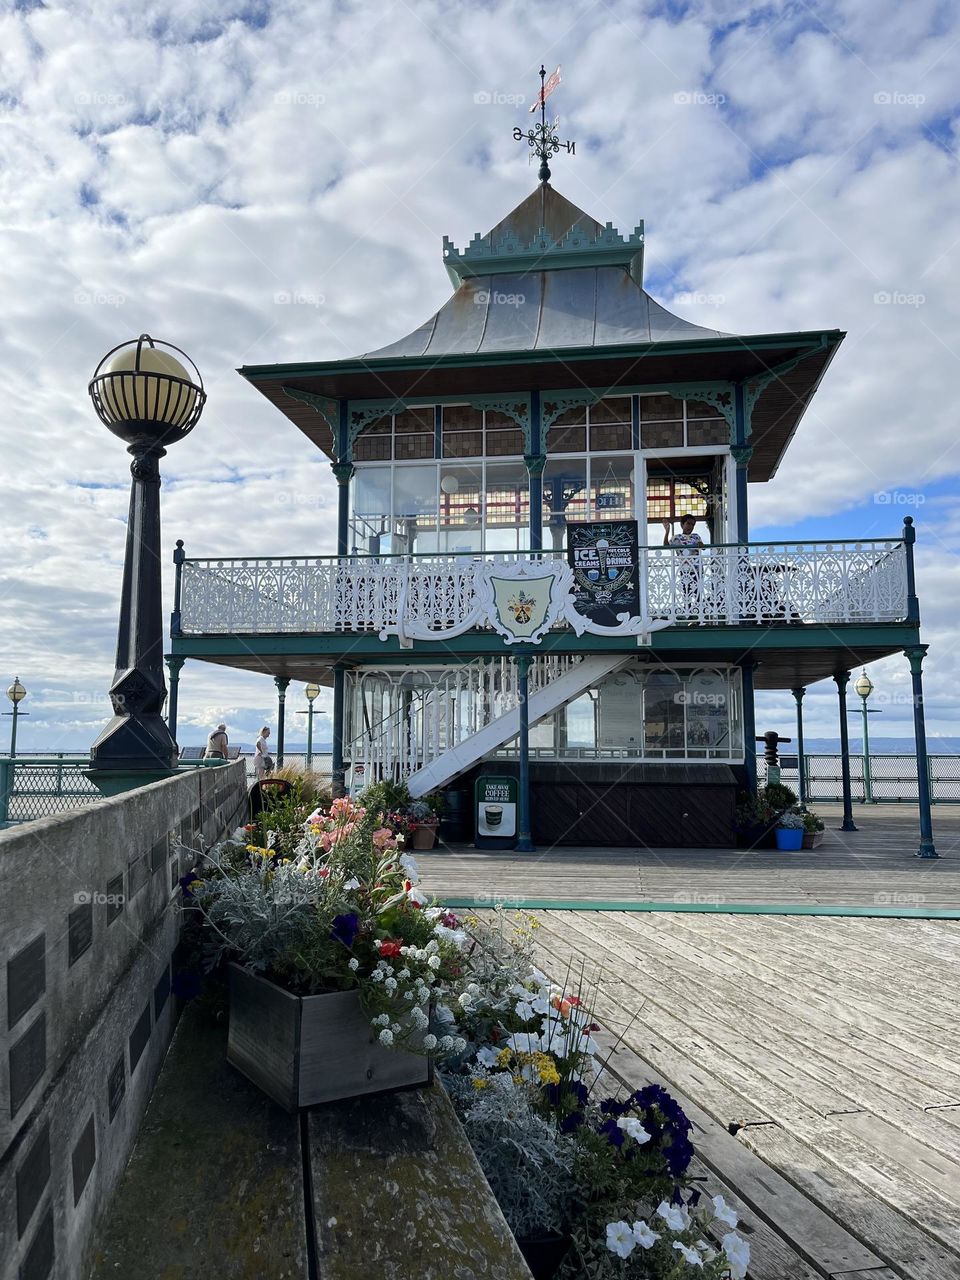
[
  {"x": 688, "y": 585},
  {"x": 262, "y": 760},
  {"x": 217, "y": 744},
  {"x": 686, "y": 540}
]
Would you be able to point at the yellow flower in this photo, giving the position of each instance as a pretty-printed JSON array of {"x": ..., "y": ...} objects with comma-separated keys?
[
  {"x": 480, "y": 1083},
  {"x": 546, "y": 1069},
  {"x": 503, "y": 1057}
]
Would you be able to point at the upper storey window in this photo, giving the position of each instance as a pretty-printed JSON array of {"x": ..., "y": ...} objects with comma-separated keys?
[
  {"x": 665, "y": 423},
  {"x": 465, "y": 432}
]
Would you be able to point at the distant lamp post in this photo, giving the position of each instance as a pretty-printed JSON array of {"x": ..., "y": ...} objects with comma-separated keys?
[
  {"x": 16, "y": 693},
  {"x": 313, "y": 692},
  {"x": 150, "y": 394},
  {"x": 863, "y": 686}
]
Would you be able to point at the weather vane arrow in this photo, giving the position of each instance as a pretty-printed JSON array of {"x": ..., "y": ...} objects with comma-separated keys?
[{"x": 543, "y": 138}]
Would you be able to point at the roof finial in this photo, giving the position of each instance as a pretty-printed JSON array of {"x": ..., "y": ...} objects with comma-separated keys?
[{"x": 542, "y": 138}]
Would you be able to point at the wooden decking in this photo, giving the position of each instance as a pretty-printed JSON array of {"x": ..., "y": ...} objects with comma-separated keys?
[
  {"x": 820, "y": 1060},
  {"x": 873, "y": 867}
]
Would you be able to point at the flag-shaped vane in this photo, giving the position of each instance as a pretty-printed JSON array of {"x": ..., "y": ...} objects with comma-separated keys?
[{"x": 546, "y": 88}]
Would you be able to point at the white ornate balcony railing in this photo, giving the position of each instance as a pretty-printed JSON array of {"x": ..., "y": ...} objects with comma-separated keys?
[{"x": 436, "y": 597}]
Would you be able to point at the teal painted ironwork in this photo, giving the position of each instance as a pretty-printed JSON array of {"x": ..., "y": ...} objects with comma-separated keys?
[
  {"x": 801, "y": 762},
  {"x": 700, "y": 908},
  {"x": 516, "y": 407},
  {"x": 327, "y": 407},
  {"x": 915, "y": 655},
  {"x": 841, "y": 679},
  {"x": 281, "y": 682},
  {"x": 524, "y": 838}
]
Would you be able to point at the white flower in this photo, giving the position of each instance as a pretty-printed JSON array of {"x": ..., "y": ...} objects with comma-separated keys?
[
  {"x": 377, "y": 975},
  {"x": 429, "y": 1042},
  {"x": 524, "y": 1010},
  {"x": 434, "y": 962},
  {"x": 432, "y": 947},
  {"x": 688, "y": 1254},
  {"x": 414, "y": 895},
  {"x": 465, "y": 1000},
  {"x": 487, "y": 1056},
  {"x": 409, "y": 865},
  {"x": 632, "y": 1127},
  {"x": 737, "y": 1253},
  {"x": 708, "y": 1253},
  {"x": 722, "y": 1212},
  {"x": 674, "y": 1215},
  {"x": 644, "y": 1236},
  {"x": 386, "y": 1036},
  {"x": 620, "y": 1239},
  {"x": 403, "y": 974},
  {"x": 353, "y": 964},
  {"x": 382, "y": 1020},
  {"x": 390, "y": 985},
  {"x": 352, "y": 883},
  {"x": 408, "y": 995}
]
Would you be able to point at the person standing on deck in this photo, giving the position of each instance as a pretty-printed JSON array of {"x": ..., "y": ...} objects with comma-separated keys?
[
  {"x": 262, "y": 760},
  {"x": 217, "y": 744}
]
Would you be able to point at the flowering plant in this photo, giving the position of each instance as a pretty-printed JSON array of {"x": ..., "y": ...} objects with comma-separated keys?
[
  {"x": 606, "y": 1170},
  {"x": 791, "y": 821},
  {"x": 333, "y": 904}
]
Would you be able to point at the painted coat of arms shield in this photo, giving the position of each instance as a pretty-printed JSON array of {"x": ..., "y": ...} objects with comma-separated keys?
[{"x": 525, "y": 600}]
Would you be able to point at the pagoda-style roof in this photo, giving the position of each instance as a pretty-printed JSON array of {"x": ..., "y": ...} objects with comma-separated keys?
[{"x": 549, "y": 299}]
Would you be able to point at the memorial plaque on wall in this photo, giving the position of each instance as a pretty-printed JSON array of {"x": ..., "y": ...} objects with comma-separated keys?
[{"x": 605, "y": 559}]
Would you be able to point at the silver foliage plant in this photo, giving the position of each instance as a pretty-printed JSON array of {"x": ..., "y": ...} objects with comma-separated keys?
[{"x": 526, "y": 1160}]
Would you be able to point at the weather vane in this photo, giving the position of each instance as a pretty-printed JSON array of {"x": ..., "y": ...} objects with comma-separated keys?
[{"x": 543, "y": 138}]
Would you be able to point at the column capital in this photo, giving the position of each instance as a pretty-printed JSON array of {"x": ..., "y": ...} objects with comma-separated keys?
[
  {"x": 343, "y": 471},
  {"x": 741, "y": 454},
  {"x": 175, "y": 665},
  {"x": 281, "y": 682},
  {"x": 841, "y": 679},
  {"x": 535, "y": 462},
  {"x": 915, "y": 655},
  {"x": 798, "y": 694}
]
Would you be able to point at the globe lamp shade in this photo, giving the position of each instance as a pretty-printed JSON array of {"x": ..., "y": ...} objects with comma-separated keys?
[{"x": 147, "y": 393}]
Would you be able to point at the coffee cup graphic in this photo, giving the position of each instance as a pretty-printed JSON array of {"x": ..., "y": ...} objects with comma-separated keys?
[{"x": 493, "y": 814}]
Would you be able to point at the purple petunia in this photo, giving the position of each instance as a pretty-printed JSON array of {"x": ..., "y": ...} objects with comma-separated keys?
[{"x": 345, "y": 928}]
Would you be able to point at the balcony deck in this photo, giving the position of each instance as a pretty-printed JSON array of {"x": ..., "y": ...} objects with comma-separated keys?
[{"x": 824, "y": 606}]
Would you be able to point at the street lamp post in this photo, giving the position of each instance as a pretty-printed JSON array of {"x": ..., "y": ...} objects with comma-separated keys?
[
  {"x": 313, "y": 692},
  {"x": 863, "y": 686},
  {"x": 16, "y": 693},
  {"x": 144, "y": 393}
]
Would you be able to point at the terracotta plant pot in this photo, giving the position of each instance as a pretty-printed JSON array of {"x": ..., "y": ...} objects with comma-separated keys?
[
  {"x": 812, "y": 839},
  {"x": 301, "y": 1050},
  {"x": 425, "y": 835}
]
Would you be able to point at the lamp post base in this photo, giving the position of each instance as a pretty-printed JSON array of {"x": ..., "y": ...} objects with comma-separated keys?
[
  {"x": 137, "y": 742},
  {"x": 114, "y": 782},
  {"x": 927, "y": 850}
]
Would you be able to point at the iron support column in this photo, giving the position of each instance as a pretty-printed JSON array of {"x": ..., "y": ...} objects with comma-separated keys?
[
  {"x": 915, "y": 656},
  {"x": 338, "y": 772},
  {"x": 801, "y": 761},
  {"x": 524, "y": 838},
  {"x": 747, "y": 666},
  {"x": 175, "y": 666},
  {"x": 344, "y": 474},
  {"x": 281, "y": 682},
  {"x": 309, "y": 735},
  {"x": 841, "y": 680},
  {"x": 535, "y": 461}
]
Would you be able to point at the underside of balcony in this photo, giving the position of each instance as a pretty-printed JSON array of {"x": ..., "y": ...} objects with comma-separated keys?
[{"x": 789, "y": 655}]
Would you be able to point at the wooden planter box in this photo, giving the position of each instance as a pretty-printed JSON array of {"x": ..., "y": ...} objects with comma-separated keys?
[
  {"x": 812, "y": 839},
  {"x": 303, "y": 1050}
]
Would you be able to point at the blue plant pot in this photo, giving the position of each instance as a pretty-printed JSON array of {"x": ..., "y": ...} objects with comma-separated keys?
[{"x": 789, "y": 837}]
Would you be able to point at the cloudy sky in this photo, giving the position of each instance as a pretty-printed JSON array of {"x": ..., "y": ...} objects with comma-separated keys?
[{"x": 186, "y": 169}]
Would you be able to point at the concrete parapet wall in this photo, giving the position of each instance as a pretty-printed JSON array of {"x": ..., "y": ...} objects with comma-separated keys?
[{"x": 88, "y": 925}]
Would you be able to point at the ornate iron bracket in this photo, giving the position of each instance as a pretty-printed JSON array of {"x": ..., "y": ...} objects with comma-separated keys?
[
  {"x": 516, "y": 407},
  {"x": 328, "y": 408}
]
